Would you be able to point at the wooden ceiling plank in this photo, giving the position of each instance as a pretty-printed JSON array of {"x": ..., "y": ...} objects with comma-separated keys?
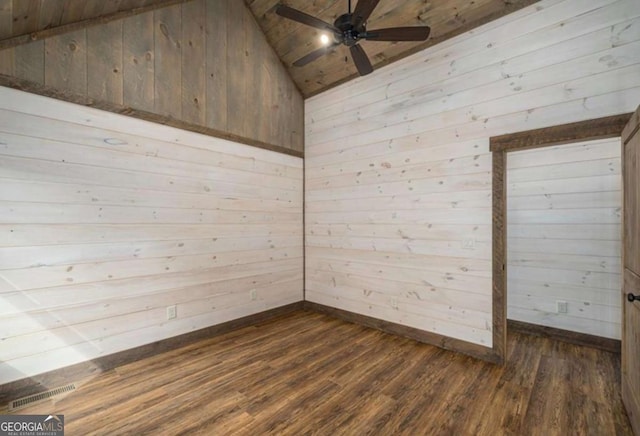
[
  {"x": 50, "y": 14},
  {"x": 125, "y": 5},
  {"x": 6, "y": 18},
  {"x": 259, "y": 7},
  {"x": 389, "y": 17},
  {"x": 83, "y": 24},
  {"x": 408, "y": 13},
  {"x": 6, "y": 26},
  {"x": 73, "y": 11},
  {"x": 93, "y": 8},
  {"x": 443, "y": 21},
  {"x": 26, "y": 15},
  {"x": 111, "y": 6},
  {"x": 288, "y": 39},
  {"x": 292, "y": 40},
  {"x": 327, "y": 71},
  {"x": 377, "y": 50},
  {"x": 326, "y": 10},
  {"x": 285, "y": 31}
]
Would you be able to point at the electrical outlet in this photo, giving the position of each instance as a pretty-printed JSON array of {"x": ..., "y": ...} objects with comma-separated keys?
[
  {"x": 394, "y": 302},
  {"x": 562, "y": 306},
  {"x": 469, "y": 244},
  {"x": 172, "y": 312},
  {"x": 253, "y": 294}
]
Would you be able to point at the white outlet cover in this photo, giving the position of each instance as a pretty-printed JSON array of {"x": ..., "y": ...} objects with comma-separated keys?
[
  {"x": 562, "y": 306},
  {"x": 469, "y": 244},
  {"x": 172, "y": 312}
]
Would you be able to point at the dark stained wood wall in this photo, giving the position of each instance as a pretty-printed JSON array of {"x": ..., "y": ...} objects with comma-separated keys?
[
  {"x": 30, "y": 16},
  {"x": 205, "y": 62}
]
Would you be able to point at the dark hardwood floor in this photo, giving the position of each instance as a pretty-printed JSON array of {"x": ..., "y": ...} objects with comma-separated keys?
[{"x": 306, "y": 373}]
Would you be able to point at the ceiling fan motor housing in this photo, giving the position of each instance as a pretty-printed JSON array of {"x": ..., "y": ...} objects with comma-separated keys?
[{"x": 350, "y": 35}]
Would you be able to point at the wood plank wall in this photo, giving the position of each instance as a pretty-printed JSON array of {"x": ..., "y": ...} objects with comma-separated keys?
[
  {"x": 35, "y": 15},
  {"x": 564, "y": 236},
  {"x": 106, "y": 220},
  {"x": 204, "y": 62},
  {"x": 397, "y": 163}
]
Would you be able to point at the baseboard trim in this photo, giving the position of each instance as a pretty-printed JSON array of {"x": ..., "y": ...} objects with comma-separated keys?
[
  {"x": 58, "y": 377},
  {"x": 457, "y": 345},
  {"x": 606, "y": 344}
]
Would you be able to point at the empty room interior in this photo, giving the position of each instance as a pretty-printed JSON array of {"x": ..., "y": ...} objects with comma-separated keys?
[{"x": 330, "y": 217}]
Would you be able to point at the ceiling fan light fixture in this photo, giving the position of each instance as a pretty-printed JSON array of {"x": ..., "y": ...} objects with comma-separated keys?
[{"x": 324, "y": 39}]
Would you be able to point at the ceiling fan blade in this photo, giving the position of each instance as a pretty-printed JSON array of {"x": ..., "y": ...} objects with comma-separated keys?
[
  {"x": 416, "y": 33},
  {"x": 363, "y": 10},
  {"x": 299, "y": 16},
  {"x": 314, "y": 55},
  {"x": 361, "y": 60}
]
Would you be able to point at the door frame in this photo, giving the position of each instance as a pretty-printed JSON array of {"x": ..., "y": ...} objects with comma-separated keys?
[
  {"x": 600, "y": 128},
  {"x": 629, "y": 398}
]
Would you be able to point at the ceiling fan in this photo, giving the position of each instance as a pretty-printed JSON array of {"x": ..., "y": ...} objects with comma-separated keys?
[{"x": 349, "y": 29}]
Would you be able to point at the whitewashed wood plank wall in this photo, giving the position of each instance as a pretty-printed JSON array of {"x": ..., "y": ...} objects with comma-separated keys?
[
  {"x": 107, "y": 220},
  {"x": 549, "y": 189},
  {"x": 398, "y": 169}
]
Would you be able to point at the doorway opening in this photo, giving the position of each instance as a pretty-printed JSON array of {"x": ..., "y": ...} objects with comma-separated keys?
[{"x": 599, "y": 129}]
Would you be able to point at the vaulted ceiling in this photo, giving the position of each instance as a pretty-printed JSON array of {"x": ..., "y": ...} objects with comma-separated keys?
[{"x": 289, "y": 39}]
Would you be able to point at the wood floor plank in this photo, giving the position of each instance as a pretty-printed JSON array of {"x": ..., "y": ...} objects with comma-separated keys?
[{"x": 307, "y": 373}]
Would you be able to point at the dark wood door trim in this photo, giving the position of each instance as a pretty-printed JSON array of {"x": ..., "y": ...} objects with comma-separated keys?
[
  {"x": 631, "y": 128},
  {"x": 499, "y": 247},
  {"x": 601, "y": 128},
  {"x": 630, "y": 274}
]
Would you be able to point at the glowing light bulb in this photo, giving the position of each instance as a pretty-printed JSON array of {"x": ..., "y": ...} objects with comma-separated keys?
[{"x": 324, "y": 39}]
